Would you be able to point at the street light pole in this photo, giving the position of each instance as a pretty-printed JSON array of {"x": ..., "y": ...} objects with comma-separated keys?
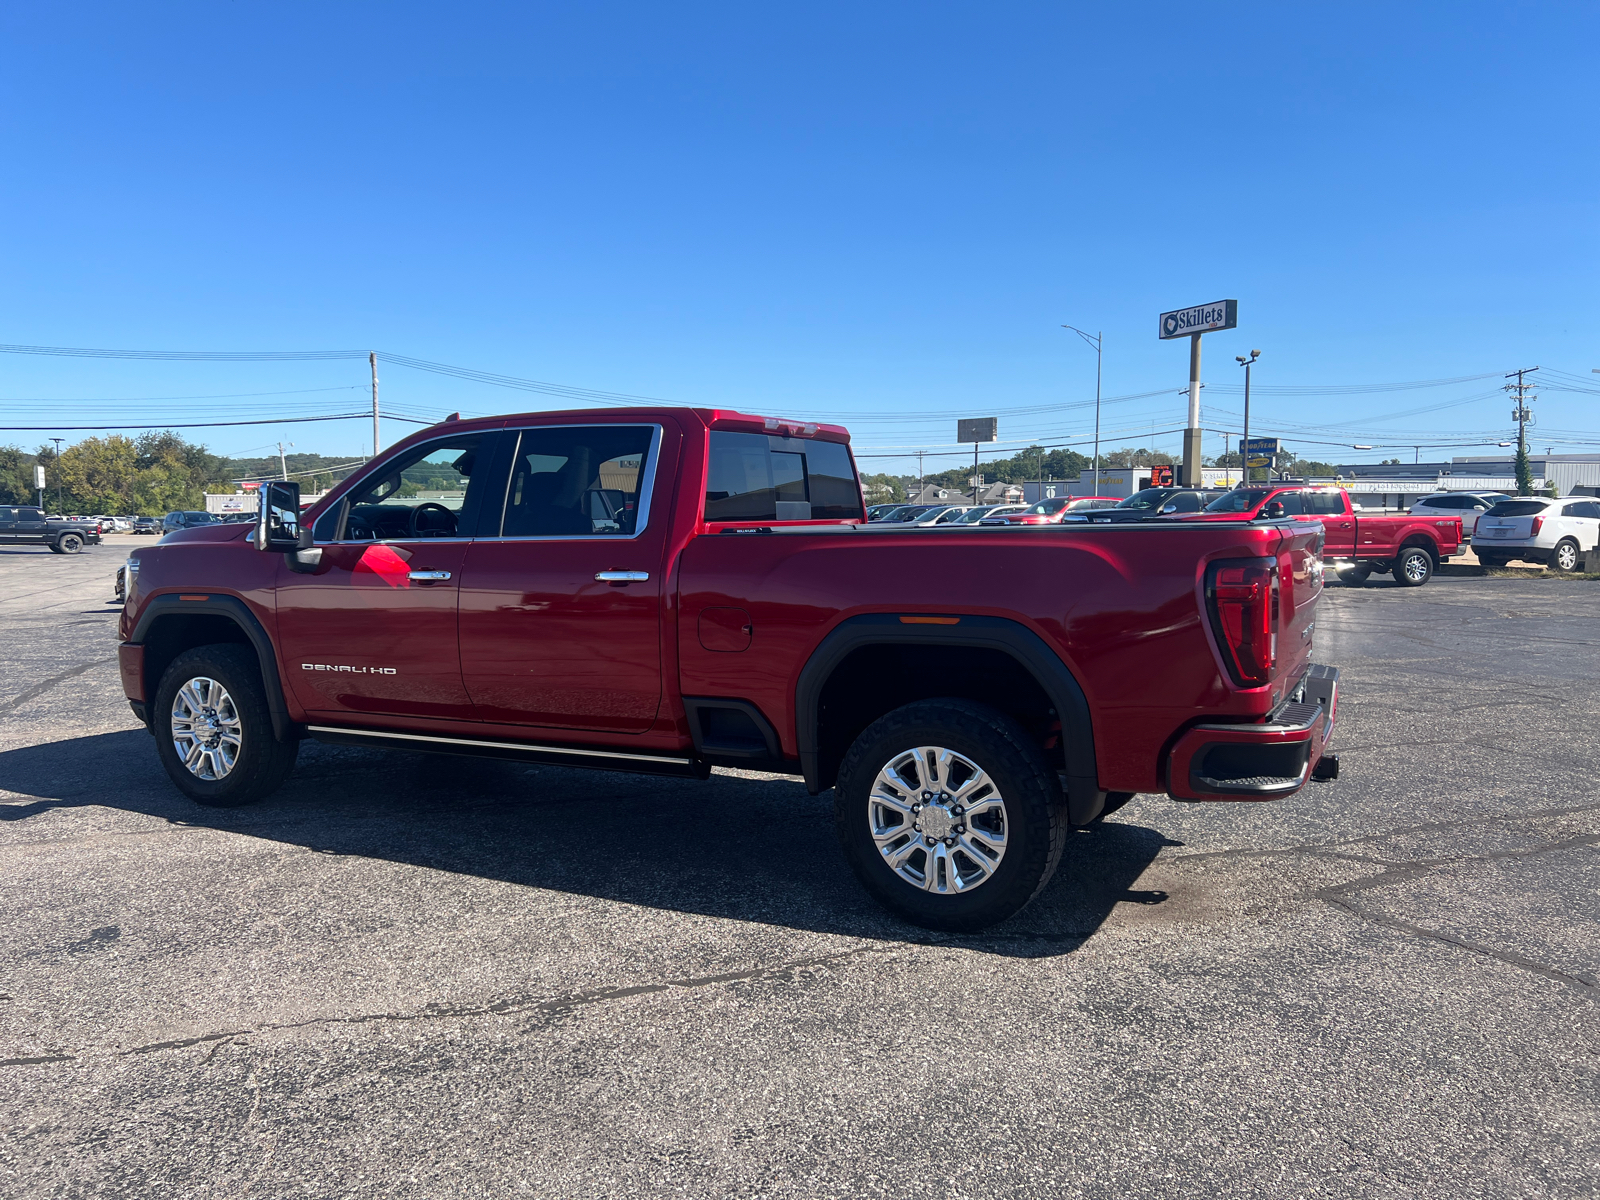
[
  {"x": 1246, "y": 363},
  {"x": 1098, "y": 342},
  {"x": 57, "y": 465}
]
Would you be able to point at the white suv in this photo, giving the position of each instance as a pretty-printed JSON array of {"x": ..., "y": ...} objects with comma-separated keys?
[
  {"x": 1469, "y": 506},
  {"x": 1539, "y": 530}
]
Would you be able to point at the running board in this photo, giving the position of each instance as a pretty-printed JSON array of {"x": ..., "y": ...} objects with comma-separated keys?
[{"x": 559, "y": 756}]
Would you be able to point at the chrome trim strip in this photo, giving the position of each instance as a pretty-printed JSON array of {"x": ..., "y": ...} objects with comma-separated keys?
[
  {"x": 421, "y": 737},
  {"x": 647, "y": 486}
]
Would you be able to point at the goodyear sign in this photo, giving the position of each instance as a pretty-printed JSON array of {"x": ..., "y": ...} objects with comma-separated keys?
[{"x": 1202, "y": 318}]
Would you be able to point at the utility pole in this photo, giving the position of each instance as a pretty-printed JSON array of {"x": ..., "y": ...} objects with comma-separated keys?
[
  {"x": 283, "y": 467},
  {"x": 1523, "y": 416},
  {"x": 372, "y": 358},
  {"x": 57, "y": 465},
  {"x": 1098, "y": 342},
  {"x": 920, "y": 484},
  {"x": 1246, "y": 363}
]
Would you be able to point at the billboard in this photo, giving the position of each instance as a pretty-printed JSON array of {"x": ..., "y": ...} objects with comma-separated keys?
[
  {"x": 1202, "y": 318},
  {"x": 1260, "y": 446},
  {"x": 978, "y": 429},
  {"x": 1161, "y": 476}
]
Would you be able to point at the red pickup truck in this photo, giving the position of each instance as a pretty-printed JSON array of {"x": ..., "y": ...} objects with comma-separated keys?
[
  {"x": 666, "y": 590},
  {"x": 1357, "y": 544}
]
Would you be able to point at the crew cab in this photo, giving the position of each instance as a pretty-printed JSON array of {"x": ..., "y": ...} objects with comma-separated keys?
[
  {"x": 667, "y": 590},
  {"x": 24, "y": 525},
  {"x": 1357, "y": 544}
]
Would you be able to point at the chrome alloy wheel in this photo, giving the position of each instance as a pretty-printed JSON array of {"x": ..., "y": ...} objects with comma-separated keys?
[
  {"x": 938, "y": 820},
  {"x": 1566, "y": 557},
  {"x": 1416, "y": 568},
  {"x": 206, "y": 730}
]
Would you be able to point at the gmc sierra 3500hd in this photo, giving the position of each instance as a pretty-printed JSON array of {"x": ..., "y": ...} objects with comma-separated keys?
[{"x": 664, "y": 590}]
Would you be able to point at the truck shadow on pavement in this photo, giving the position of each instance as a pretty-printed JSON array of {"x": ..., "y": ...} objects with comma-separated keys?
[{"x": 737, "y": 847}]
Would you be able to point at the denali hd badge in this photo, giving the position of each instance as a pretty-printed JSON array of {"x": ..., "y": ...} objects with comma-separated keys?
[{"x": 348, "y": 670}]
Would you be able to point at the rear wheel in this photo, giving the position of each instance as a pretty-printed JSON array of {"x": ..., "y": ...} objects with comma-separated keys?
[
  {"x": 949, "y": 814},
  {"x": 1413, "y": 567},
  {"x": 1355, "y": 576},
  {"x": 1566, "y": 556},
  {"x": 1494, "y": 562},
  {"x": 214, "y": 730}
]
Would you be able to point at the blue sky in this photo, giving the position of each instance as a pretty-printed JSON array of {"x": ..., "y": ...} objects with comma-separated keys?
[{"x": 878, "y": 214}]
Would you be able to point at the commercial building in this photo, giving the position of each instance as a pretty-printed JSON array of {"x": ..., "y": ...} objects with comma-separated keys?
[{"x": 1400, "y": 485}]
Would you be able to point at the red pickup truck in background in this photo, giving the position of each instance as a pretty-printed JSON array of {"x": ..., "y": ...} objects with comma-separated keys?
[
  {"x": 1357, "y": 544},
  {"x": 668, "y": 590}
]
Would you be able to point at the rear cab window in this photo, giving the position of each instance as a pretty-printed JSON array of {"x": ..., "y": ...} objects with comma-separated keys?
[{"x": 774, "y": 478}]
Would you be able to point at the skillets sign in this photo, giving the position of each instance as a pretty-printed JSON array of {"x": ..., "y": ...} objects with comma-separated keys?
[{"x": 1202, "y": 318}]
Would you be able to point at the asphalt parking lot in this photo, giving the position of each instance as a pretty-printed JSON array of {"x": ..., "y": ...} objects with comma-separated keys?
[{"x": 434, "y": 977}]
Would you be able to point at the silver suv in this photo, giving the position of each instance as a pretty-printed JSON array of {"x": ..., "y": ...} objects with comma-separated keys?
[{"x": 1469, "y": 506}]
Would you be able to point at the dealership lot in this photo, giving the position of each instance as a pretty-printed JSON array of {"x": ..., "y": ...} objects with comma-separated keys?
[{"x": 405, "y": 975}]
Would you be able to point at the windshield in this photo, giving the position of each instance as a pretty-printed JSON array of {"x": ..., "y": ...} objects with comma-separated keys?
[
  {"x": 973, "y": 515},
  {"x": 1238, "y": 501},
  {"x": 1149, "y": 498},
  {"x": 1518, "y": 508},
  {"x": 1046, "y": 507}
]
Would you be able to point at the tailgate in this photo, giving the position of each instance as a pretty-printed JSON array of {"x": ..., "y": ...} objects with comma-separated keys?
[{"x": 1299, "y": 588}]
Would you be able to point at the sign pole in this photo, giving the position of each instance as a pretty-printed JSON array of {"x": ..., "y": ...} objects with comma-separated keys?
[
  {"x": 1191, "y": 323},
  {"x": 1191, "y": 435}
]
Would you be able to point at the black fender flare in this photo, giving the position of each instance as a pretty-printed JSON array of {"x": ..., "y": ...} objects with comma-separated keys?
[
  {"x": 237, "y": 611},
  {"x": 1084, "y": 797}
]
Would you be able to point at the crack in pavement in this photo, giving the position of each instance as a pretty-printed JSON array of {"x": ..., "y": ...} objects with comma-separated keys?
[
  {"x": 505, "y": 1006},
  {"x": 1587, "y": 984},
  {"x": 1396, "y": 873},
  {"x": 39, "y": 689}
]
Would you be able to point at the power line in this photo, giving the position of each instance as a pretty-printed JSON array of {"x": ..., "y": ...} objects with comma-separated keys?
[{"x": 208, "y": 424}]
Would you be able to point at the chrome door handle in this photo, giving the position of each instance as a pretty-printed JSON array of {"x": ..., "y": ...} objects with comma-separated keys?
[
  {"x": 429, "y": 576},
  {"x": 622, "y": 576}
]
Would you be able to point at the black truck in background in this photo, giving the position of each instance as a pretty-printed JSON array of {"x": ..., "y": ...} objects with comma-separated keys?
[{"x": 24, "y": 525}]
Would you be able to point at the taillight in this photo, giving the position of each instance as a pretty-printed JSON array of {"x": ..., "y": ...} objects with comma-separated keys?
[
  {"x": 1538, "y": 524},
  {"x": 1242, "y": 596}
]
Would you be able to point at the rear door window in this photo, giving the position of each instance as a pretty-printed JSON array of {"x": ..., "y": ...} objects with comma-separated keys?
[
  {"x": 762, "y": 477},
  {"x": 1324, "y": 504},
  {"x": 579, "y": 481}
]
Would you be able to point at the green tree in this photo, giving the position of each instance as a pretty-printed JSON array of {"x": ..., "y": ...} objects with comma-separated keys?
[
  {"x": 1524, "y": 470},
  {"x": 16, "y": 476},
  {"x": 98, "y": 474},
  {"x": 882, "y": 489}
]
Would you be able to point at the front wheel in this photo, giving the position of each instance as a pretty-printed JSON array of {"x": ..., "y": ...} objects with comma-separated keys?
[
  {"x": 214, "y": 730},
  {"x": 1413, "y": 567},
  {"x": 1566, "y": 556},
  {"x": 949, "y": 814}
]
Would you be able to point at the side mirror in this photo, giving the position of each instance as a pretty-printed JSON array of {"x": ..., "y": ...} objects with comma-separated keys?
[
  {"x": 278, "y": 519},
  {"x": 1169, "y": 508},
  {"x": 1273, "y": 511}
]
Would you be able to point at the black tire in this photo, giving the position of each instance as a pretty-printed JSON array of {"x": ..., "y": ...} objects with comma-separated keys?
[
  {"x": 68, "y": 543},
  {"x": 1413, "y": 567},
  {"x": 1033, "y": 813},
  {"x": 1566, "y": 558},
  {"x": 262, "y": 762},
  {"x": 1355, "y": 576},
  {"x": 1494, "y": 562}
]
